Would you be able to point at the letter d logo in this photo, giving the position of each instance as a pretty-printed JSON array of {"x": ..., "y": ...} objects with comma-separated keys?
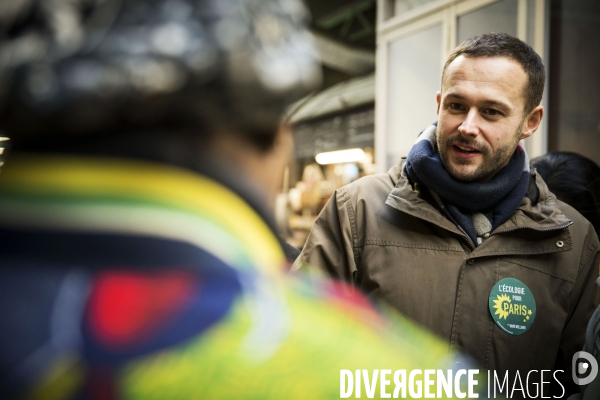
[{"x": 580, "y": 368}]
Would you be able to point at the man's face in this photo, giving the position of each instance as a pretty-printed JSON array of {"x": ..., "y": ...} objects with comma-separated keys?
[{"x": 481, "y": 116}]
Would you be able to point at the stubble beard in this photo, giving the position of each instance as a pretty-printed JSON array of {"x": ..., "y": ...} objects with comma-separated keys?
[{"x": 492, "y": 161}]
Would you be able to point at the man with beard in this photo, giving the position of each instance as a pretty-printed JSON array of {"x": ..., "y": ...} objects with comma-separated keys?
[{"x": 462, "y": 236}]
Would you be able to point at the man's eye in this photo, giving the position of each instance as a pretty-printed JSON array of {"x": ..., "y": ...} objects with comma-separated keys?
[
  {"x": 455, "y": 106},
  {"x": 492, "y": 112}
]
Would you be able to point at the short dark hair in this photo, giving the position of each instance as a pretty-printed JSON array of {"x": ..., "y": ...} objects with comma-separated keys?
[
  {"x": 504, "y": 45},
  {"x": 575, "y": 180}
]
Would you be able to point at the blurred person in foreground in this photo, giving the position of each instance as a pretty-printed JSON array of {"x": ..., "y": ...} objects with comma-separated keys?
[
  {"x": 137, "y": 251},
  {"x": 461, "y": 237}
]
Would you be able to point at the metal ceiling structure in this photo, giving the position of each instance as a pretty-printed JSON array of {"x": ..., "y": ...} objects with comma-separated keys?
[
  {"x": 345, "y": 35},
  {"x": 351, "y": 21}
]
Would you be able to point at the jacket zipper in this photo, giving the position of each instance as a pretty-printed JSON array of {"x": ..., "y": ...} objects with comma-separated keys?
[
  {"x": 464, "y": 235},
  {"x": 440, "y": 204}
]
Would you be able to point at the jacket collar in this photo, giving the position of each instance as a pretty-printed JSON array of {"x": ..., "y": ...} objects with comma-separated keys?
[{"x": 543, "y": 218}]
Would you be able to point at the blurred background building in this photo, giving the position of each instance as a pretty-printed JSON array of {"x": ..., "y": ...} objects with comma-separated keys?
[{"x": 382, "y": 63}]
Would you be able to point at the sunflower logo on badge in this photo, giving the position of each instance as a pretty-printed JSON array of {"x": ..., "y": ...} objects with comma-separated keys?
[
  {"x": 498, "y": 305},
  {"x": 512, "y": 306}
]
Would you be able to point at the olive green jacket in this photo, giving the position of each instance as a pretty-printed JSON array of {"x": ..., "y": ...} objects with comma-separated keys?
[{"x": 392, "y": 240}]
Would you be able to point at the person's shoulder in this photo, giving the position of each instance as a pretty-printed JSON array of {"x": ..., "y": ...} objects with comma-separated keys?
[
  {"x": 549, "y": 199},
  {"x": 582, "y": 232},
  {"x": 372, "y": 186},
  {"x": 366, "y": 189},
  {"x": 580, "y": 223}
]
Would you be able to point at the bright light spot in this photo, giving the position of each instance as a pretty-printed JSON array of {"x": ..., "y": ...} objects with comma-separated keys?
[{"x": 341, "y": 156}]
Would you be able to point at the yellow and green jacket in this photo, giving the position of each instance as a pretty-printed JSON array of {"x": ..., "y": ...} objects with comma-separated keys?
[{"x": 124, "y": 279}]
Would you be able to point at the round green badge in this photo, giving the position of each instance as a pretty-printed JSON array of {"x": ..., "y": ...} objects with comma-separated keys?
[{"x": 512, "y": 306}]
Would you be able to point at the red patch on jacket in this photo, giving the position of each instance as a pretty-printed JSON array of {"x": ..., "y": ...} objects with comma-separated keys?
[{"x": 129, "y": 307}]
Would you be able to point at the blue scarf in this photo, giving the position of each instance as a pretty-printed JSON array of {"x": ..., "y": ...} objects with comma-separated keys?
[{"x": 497, "y": 199}]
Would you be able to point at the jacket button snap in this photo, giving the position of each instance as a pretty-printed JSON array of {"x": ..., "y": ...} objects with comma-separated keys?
[
  {"x": 560, "y": 243},
  {"x": 470, "y": 261}
]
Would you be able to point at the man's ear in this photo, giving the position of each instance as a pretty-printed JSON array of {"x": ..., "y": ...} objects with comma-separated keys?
[
  {"x": 438, "y": 98},
  {"x": 532, "y": 122}
]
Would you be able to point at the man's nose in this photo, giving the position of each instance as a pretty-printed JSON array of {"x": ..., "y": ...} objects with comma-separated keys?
[{"x": 470, "y": 125}]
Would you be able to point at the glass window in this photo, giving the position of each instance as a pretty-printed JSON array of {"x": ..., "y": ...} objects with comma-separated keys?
[
  {"x": 574, "y": 97},
  {"x": 402, "y": 6},
  {"x": 497, "y": 17},
  {"x": 414, "y": 73}
]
